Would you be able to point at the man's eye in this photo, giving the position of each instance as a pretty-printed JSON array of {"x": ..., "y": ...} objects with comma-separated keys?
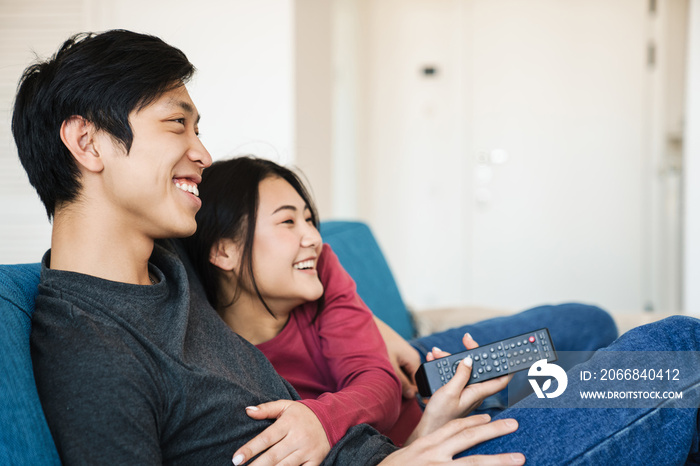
[
  {"x": 309, "y": 220},
  {"x": 179, "y": 120}
]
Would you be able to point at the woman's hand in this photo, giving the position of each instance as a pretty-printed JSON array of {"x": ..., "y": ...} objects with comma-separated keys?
[
  {"x": 439, "y": 447},
  {"x": 437, "y": 353},
  {"x": 296, "y": 437},
  {"x": 455, "y": 399},
  {"x": 403, "y": 357}
]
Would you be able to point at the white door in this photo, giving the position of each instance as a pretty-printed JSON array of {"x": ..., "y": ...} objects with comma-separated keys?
[{"x": 506, "y": 160}]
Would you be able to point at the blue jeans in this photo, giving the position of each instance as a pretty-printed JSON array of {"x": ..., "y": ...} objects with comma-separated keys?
[
  {"x": 569, "y": 430},
  {"x": 577, "y": 331}
]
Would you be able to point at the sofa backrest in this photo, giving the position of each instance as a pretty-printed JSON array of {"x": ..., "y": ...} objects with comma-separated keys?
[
  {"x": 359, "y": 253},
  {"x": 24, "y": 435}
]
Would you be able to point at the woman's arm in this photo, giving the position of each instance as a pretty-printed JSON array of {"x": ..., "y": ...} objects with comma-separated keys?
[
  {"x": 352, "y": 350},
  {"x": 441, "y": 434}
]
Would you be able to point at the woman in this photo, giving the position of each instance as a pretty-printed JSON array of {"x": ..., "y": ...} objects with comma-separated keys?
[{"x": 266, "y": 271}]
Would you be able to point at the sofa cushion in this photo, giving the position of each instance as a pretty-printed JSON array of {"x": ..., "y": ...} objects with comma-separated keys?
[
  {"x": 24, "y": 434},
  {"x": 359, "y": 253}
]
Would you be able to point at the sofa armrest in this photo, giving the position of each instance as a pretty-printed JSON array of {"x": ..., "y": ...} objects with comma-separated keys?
[
  {"x": 24, "y": 434},
  {"x": 430, "y": 321}
]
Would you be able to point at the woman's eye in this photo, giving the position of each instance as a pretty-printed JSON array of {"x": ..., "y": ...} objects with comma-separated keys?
[{"x": 289, "y": 222}]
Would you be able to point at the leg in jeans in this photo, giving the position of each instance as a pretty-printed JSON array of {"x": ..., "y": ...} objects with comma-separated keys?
[
  {"x": 577, "y": 331},
  {"x": 629, "y": 431}
]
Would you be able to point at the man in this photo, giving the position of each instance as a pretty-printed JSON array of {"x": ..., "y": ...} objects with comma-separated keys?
[{"x": 132, "y": 365}]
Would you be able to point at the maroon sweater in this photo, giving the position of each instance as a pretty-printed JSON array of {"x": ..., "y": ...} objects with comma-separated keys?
[{"x": 338, "y": 363}]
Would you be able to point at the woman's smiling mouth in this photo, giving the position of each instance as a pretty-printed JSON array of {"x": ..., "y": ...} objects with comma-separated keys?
[{"x": 305, "y": 264}]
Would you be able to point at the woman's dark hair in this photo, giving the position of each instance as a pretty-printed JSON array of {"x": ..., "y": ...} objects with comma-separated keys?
[
  {"x": 230, "y": 195},
  {"x": 100, "y": 77}
]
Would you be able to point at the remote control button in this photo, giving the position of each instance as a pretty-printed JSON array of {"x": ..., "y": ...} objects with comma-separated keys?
[
  {"x": 535, "y": 350},
  {"x": 521, "y": 351},
  {"x": 493, "y": 349},
  {"x": 527, "y": 350},
  {"x": 532, "y": 339},
  {"x": 494, "y": 356},
  {"x": 476, "y": 358},
  {"x": 498, "y": 369},
  {"x": 485, "y": 355},
  {"x": 495, "y": 363},
  {"x": 525, "y": 342},
  {"x": 500, "y": 347},
  {"x": 481, "y": 371},
  {"x": 488, "y": 368},
  {"x": 519, "y": 343}
]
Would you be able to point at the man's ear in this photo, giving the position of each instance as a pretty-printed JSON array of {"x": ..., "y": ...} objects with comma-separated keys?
[
  {"x": 78, "y": 135},
  {"x": 225, "y": 254}
]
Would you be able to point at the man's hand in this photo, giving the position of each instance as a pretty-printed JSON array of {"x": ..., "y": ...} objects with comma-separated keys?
[
  {"x": 402, "y": 356},
  {"x": 438, "y": 448},
  {"x": 297, "y": 436}
]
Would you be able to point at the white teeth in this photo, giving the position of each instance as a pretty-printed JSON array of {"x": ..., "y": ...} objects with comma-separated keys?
[
  {"x": 309, "y": 264},
  {"x": 188, "y": 188}
]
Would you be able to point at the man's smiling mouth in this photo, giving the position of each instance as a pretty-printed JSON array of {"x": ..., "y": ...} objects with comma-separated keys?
[{"x": 189, "y": 188}]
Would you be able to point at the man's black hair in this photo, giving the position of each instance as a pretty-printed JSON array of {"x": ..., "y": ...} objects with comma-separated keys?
[{"x": 100, "y": 77}]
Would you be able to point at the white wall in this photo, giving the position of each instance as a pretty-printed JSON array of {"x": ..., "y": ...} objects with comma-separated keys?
[
  {"x": 691, "y": 281},
  {"x": 565, "y": 88},
  {"x": 26, "y": 29}
]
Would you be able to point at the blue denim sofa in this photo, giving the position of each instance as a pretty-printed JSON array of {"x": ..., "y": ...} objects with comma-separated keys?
[{"x": 24, "y": 435}]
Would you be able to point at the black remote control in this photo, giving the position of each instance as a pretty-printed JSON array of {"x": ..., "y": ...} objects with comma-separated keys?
[{"x": 503, "y": 357}]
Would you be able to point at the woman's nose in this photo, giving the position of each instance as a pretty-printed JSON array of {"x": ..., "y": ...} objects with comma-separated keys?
[{"x": 311, "y": 238}]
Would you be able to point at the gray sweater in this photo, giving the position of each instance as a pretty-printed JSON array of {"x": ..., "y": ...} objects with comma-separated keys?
[{"x": 131, "y": 374}]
